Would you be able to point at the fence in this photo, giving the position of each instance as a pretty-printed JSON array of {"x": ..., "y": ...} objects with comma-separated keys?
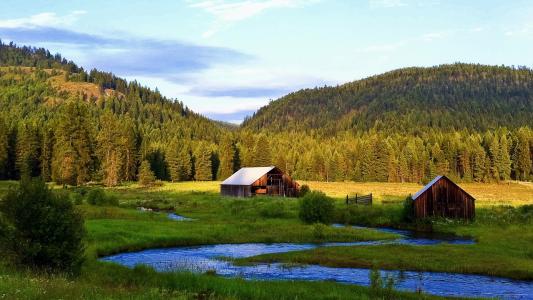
[{"x": 359, "y": 199}]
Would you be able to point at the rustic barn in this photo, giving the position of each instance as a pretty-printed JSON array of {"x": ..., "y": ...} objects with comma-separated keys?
[
  {"x": 443, "y": 198},
  {"x": 249, "y": 182}
]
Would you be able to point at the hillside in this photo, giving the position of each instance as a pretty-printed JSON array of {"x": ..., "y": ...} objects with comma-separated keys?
[
  {"x": 58, "y": 121},
  {"x": 447, "y": 97},
  {"x": 55, "y": 116}
]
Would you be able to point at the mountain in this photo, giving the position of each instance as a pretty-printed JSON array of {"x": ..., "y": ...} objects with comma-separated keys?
[
  {"x": 56, "y": 119},
  {"x": 469, "y": 122},
  {"x": 447, "y": 97}
]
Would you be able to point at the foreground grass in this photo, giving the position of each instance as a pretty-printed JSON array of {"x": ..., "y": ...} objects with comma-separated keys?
[{"x": 105, "y": 281}]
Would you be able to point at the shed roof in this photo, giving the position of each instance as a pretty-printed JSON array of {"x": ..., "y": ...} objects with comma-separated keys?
[
  {"x": 432, "y": 182},
  {"x": 247, "y": 176}
]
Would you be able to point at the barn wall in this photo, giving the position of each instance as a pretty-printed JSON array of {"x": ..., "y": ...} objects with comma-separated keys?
[
  {"x": 236, "y": 190},
  {"x": 444, "y": 199}
]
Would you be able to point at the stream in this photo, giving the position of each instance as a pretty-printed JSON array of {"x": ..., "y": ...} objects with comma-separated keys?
[{"x": 214, "y": 258}]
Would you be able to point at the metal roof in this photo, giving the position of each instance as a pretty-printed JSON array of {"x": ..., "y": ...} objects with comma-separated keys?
[
  {"x": 247, "y": 176},
  {"x": 432, "y": 182}
]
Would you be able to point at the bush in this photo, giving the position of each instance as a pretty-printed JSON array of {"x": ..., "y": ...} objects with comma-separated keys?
[
  {"x": 76, "y": 198},
  {"x": 316, "y": 207},
  {"x": 41, "y": 229},
  {"x": 304, "y": 189},
  {"x": 100, "y": 198}
]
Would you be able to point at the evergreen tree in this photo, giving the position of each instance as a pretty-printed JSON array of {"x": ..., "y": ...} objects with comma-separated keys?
[
  {"x": 46, "y": 154},
  {"x": 262, "y": 156},
  {"x": 522, "y": 165},
  {"x": 504, "y": 159},
  {"x": 111, "y": 150},
  {"x": 202, "y": 163},
  {"x": 73, "y": 155},
  {"x": 479, "y": 164},
  {"x": 146, "y": 175},
  {"x": 494, "y": 156},
  {"x": 3, "y": 150},
  {"x": 28, "y": 151},
  {"x": 227, "y": 157}
]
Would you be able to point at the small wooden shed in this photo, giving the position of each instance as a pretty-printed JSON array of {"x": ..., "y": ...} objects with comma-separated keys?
[
  {"x": 443, "y": 198},
  {"x": 253, "y": 181}
]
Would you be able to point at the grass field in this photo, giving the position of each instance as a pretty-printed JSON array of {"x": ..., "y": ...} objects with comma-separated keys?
[
  {"x": 486, "y": 194},
  {"x": 504, "y": 241}
]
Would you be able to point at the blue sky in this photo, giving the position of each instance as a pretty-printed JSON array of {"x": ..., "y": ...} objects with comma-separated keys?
[{"x": 225, "y": 58}]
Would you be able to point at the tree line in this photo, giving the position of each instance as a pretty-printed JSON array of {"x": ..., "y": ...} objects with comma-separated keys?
[{"x": 134, "y": 132}]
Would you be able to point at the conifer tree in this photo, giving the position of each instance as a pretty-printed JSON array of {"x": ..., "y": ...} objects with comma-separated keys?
[
  {"x": 73, "y": 155},
  {"x": 522, "y": 159},
  {"x": 28, "y": 151},
  {"x": 46, "y": 154},
  {"x": 202, "y": 163},
  {"x": 505, "y": 159},
  {"x": 494, "y": 156},
  {"x": 146, "y": 175},
  {"x": 3, "y": 149},
  {"x": 227, "y": 155},
  {"x": 262, "y": 156}
]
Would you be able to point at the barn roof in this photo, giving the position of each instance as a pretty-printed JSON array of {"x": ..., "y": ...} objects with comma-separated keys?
[
  {"x": 432, "y": 182},
  {"x": 247, "y": 176}
]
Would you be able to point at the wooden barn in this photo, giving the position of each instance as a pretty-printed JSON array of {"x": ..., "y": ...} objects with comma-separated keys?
[
  {"x": 249, "y": 182},
  {"x": 443, "y": 198}
]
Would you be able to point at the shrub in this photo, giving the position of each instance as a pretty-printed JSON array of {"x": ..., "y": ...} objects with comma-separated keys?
[
  {"x": 76, "y": 198},
  {"x": 304, "y": 189},
  {"x": 100, "y": 198},
  {"x": 316, "y": 207},
  {"x": 41, "y": 229}
]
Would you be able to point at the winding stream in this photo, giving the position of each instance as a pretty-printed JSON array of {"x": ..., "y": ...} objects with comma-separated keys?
[{"x": 211, "y": 258}]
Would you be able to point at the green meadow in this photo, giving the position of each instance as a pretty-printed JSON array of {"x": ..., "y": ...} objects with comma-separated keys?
[{"x": 503, "y": 235}]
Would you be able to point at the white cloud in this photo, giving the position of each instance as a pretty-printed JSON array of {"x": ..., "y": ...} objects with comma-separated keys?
[
  {"x": 227, "y": 12},
  {"x": 46, "y": 19}
]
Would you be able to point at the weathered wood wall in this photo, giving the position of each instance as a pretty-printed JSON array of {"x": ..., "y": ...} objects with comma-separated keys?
[
  {"x": 444, "y": 199},
  {"x": 236, "y": 190}
]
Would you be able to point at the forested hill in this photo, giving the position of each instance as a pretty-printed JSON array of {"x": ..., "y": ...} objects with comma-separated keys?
[
  {"x": 69, "y": 125},
  {"x": 447, "y": 97}
]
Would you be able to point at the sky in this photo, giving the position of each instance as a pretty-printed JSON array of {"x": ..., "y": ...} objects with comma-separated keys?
[{"x": 226, "y": 58}]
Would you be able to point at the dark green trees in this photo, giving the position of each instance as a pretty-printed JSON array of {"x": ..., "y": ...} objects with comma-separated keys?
[
  {"x": 229, "y": 160},
  {"x": 179, "y": 161},
  {"x": 72, "y": 161},
  {"x": 116, "y": 149},
  {"x": 522, "y": 161},
  {"x": 202, "y": 163}
]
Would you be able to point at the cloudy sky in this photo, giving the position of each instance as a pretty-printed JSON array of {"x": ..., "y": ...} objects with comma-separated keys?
[{"x": 226, "y": 58}]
